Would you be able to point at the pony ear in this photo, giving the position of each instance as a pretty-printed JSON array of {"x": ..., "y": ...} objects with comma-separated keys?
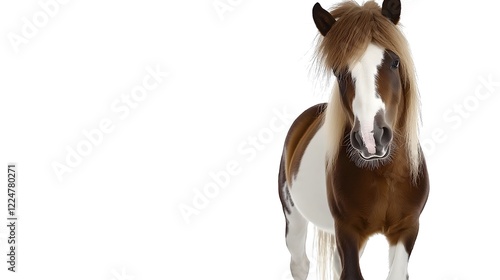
[
  {"x": 391, "y": 9},
  {"x": 323, "y": 19}
]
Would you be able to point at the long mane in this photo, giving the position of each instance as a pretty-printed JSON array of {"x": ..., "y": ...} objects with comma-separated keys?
[{"x": 355, "y": 27}]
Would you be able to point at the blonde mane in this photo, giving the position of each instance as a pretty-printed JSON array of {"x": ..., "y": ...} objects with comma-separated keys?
[{"x": 355, "y": 27}]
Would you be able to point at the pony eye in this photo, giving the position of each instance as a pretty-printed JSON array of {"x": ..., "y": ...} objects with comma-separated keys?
[{"x": 395, "y": 64}]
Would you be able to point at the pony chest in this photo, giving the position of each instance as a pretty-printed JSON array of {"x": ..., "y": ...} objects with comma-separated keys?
[{"x": 369, "y": 203}]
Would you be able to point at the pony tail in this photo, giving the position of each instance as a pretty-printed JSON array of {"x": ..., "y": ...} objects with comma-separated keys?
[{"x": 324, "y": 244}]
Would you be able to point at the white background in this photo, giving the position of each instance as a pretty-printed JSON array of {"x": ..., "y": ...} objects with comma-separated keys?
[{"x": 116, "y": 214}]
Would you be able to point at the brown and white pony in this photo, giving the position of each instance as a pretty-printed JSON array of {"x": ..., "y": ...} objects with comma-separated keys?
[{"x": 354, "y": 167}]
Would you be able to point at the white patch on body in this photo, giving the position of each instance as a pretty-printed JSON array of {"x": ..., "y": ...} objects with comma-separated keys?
[
  {"x": 367, "y": 101},
  {"x": 308, "y": 187}
]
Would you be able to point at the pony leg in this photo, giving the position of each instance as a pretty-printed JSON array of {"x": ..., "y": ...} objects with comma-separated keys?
[
  {"x": 398, "y": 259},
  {"x": 296, "y": 230},
  {"x": 362, "y": 250},
  {"x": 399, "y": 254},
  {"x": 296, "y": 235},
  {"x": 337, "y": 264},
  {"x": 349, "y": 245}
]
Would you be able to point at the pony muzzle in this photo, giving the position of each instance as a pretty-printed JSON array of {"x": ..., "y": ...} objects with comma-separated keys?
[{"x": 372, "y": 144}]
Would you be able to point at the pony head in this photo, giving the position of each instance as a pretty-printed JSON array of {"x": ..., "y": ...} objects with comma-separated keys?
[{"x": 375, "y": 94}]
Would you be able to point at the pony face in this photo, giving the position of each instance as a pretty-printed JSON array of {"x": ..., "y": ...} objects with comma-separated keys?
[
  {"x": 370, "y": 90},
  {"x": 376, "y": 96}
]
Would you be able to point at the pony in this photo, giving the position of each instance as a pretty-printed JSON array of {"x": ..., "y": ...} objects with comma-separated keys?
[{"x": 353, "y": 167}]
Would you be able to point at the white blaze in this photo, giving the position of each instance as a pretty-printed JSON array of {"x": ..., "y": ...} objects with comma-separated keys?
[
  {"x": 368, "y": 139},
  {"x": 366, "y": 101}
]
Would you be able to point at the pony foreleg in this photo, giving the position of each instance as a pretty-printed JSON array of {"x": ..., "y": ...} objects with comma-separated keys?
[
  {"x": 349, "y": 245},
  {"x": 399, "y": 254},
  {"x": 398, "y": 260},
  {"x": 337, "y": 264}
]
